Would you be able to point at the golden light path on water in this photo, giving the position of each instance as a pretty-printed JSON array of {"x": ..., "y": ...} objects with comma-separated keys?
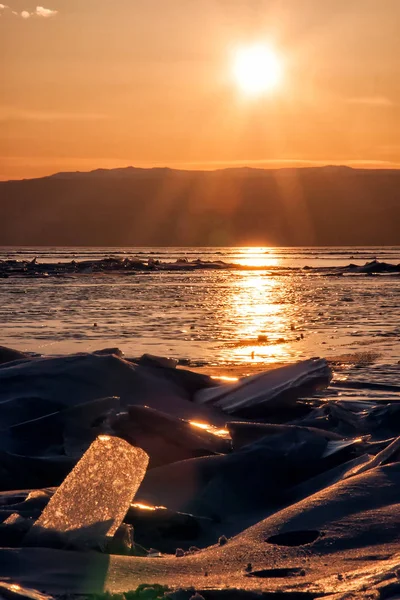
[
  {"x": 256, "y": 302},
  {"x": 258, "y": 257}
]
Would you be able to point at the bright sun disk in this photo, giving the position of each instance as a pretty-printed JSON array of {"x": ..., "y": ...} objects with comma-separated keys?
[{"x": 257, "y": 69}]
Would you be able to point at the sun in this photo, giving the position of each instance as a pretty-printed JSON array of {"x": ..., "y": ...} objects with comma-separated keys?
[{"x": 257, "y": 69}]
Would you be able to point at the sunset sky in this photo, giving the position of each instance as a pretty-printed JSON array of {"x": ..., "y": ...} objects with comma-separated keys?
[{"x": 109, "y": 83}]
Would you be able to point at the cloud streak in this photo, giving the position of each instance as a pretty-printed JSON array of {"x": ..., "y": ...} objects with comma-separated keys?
[
  {"x": 45, "y": 12},
  {"x": 40, "y": 11},
  {"x": 16, "y": 114},
  {"x": 374, "y": 101}
]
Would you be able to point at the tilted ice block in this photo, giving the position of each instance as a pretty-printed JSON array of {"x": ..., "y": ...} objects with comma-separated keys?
[
  {"x": 274, "y": 386},
  {"x": 92, "y": 501}
]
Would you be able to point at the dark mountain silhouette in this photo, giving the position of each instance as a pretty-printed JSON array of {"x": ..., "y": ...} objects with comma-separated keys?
[{"x": 139, "y": 207}]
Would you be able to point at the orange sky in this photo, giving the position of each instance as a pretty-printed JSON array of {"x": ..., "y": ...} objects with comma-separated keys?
[{"x": 107, "y": 83}]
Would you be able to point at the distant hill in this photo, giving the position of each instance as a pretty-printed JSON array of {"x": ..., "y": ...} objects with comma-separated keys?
[{"x": 140, "y": 207}]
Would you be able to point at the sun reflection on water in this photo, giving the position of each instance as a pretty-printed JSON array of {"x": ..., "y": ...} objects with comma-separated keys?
[
  {"x": 256, "y": 305},
  {"x": 258, "y": 257}
]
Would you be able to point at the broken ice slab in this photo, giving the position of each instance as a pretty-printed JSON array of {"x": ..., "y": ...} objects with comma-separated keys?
[
  {"x": 8, "y": 355},
  {"x": 164, "y": 529},
  {"x": 388, "y": 454},
  {"x": 19, "y": 471},
  {"x": 90, "y": 504},
  {"x": 13, "y": 530},
  {"x": 243, "y": 433},
  {"x": 35, "y": 437},
  {"x": 252, "y": 396},
  {"x": 157, "y": 361},
  {"x": 166, "y": 438},
  {"x": 13, "y": 591}
]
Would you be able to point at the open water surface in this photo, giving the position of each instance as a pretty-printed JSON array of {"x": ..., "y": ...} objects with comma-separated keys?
[{"x": 279, "y": 313}]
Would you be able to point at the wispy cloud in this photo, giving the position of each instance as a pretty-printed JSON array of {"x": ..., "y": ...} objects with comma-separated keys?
[
  {"x": 39, "y": 11},
  {"x": 45, "y": 12},
  {"x": 16, "y": 114},
  {"x": 378, "y": 101}
]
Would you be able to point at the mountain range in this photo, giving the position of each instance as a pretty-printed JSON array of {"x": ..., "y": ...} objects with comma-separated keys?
[{"x": 165, "y": 207}]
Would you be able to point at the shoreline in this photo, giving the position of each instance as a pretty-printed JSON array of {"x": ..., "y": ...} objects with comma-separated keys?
[{"x": 129, "y": 266}]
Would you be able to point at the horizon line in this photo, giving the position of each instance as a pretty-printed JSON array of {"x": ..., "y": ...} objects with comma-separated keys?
[{"x": 364, "y": 165}]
